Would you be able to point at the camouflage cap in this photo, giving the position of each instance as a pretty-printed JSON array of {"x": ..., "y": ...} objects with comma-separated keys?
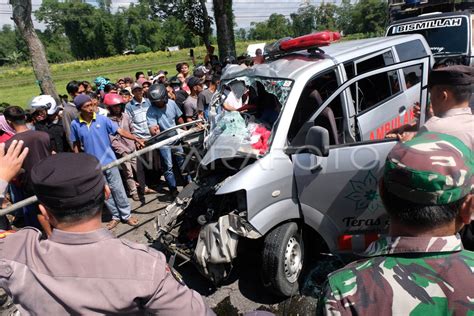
[{"x": 431, "y": 169}]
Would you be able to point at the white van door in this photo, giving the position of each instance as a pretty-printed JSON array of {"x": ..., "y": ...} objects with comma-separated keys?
[
  {"x": 387, "y": 102},
  {"x": 342, "y": 188}
]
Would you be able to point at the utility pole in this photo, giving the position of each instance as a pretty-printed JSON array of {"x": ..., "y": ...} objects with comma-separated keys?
[
  {"x": 24, "y": 23},
  {"x": 224, "y": 17}
]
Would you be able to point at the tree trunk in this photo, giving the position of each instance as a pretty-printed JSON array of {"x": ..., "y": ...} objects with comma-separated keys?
[
  {"x": 22, "y": 19},
  {"x": 224, "y": 18},
  {"x": 207, "y": 25}
]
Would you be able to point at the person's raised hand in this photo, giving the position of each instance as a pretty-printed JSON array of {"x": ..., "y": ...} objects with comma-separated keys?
[
  {"x": 140, "y": 143},
  {"x": 12, "y": 160},
  {"x": 406, "y": 136}
]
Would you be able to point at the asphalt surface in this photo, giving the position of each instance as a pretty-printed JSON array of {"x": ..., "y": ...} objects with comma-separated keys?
[{"x": 242, "y": 292}]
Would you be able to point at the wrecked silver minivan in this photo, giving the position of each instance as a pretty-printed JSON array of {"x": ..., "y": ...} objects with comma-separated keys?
[{"x": 302, "y": 162}]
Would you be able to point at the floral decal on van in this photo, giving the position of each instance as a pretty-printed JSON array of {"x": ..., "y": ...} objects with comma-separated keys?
[{"x": 365, "y": 194}]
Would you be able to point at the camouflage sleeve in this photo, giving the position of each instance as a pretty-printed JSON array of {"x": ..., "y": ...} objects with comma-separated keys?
[{"x": 327, "y": 303}]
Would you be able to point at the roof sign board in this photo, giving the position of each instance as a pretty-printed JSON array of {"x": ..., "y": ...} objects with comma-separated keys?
[{"x": 428, "y": 24}]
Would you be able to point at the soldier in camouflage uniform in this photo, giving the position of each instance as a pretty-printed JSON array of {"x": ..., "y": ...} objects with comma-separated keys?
[{"x": 421, "y": 268}]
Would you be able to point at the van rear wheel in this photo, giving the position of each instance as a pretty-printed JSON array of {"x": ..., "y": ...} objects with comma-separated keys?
[{"x": 282, "y": 260}]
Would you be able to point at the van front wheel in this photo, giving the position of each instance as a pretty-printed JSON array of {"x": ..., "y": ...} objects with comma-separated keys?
[{"x": 282, "y": 260}]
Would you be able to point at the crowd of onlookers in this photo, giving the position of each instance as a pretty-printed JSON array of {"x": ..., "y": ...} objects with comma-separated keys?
[
  {"x": 49, "y": 126},
  {"x": 123, "y": 107},
  {"x": 423, "y": 265}
]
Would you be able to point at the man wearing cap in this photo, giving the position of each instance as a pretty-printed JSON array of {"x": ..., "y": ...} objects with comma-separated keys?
[
  {"x": 420, "y": 268},
  {"x": 82, "y": 269},
  {"x": 92, "y": 131},
  {"x": 200, "y": 72},
  {"x": 145, "y": 85},
  {"x": 121, "y": 83},
  {"x": 136, "y": 109},
  {"x": 190, "y": 104},
  {"x": 163, "y": 115},
  {"x": 204, "y": 98},
  {"x": 161, "y": 77},
  {"x": 450, "y": 92}
]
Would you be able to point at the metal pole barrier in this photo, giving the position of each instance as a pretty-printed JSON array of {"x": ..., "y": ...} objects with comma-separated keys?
[{"x": 34, "y": 199}]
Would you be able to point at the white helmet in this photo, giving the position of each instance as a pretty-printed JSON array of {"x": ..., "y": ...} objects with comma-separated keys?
[{"x": 44, "y": 101}]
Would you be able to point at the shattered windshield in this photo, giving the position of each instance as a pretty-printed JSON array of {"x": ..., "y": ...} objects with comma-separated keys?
[{"x": 247, "y": 109}]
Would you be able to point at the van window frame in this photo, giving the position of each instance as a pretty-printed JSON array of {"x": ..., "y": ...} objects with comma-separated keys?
[
  {"x": 342, "y": 89},
  {"x": 340, "y": 80},
  {"x": 390, "y": 49}
]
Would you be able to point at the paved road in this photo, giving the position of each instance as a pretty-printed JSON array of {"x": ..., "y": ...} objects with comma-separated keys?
[{"x": 243, "y": 291}]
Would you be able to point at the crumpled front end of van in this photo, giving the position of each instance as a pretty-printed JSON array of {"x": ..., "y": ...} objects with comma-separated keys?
[
  {"x": 203, "y": 225},
  {"x": 205, "y": 228}
]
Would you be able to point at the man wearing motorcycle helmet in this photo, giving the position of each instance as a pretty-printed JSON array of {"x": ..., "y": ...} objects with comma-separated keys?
[
  {"x": 46, "y": 118},
  {"x": 162, "y": 115},
  {"x": 122, "y": 146},
  {"x": 41, "y": 106}
]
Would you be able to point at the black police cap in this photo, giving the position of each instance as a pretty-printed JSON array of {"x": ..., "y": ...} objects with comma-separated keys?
[
  {"x": 452, "y": 76},
  {"x": 67, "y": 180}
]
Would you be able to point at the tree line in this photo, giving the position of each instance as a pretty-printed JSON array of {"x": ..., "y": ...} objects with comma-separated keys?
[
  {"x": 366, "y": 18},
  {"x": 78, "y": 30}
]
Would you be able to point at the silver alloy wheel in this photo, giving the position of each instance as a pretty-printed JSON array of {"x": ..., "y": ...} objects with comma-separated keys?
[{"x": 293, "y": 262}]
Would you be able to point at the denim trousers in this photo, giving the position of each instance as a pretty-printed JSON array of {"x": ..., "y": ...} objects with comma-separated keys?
[
  {"x": 117, "y": 203},
  {"x": 167, "y": 157}
]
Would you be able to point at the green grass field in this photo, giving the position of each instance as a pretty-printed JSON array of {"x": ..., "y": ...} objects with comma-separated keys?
[{"x": 18, "y": 85}]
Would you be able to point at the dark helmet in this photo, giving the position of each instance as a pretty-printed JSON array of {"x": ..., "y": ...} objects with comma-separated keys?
[{"x": 157, "y": 92}]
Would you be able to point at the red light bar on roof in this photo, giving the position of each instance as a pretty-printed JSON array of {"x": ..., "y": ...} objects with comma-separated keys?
[{"x": 309, "y": 41}]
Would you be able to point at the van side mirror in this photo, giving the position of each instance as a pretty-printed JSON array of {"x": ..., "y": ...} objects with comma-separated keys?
[{"x": 317, "y": 141}]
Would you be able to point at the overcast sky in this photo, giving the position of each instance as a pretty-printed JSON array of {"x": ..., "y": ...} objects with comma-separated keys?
[{"x": 245, "y": 11}]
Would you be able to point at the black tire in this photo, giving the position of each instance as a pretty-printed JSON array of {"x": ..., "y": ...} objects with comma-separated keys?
[{"x": 279, "y": 245}]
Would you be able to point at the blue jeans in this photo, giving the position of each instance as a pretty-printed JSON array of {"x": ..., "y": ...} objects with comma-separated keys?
[
  {"x": 166, "y": 155},
  {"x": 117, "y": 203},
  {"x": 206, "y": 112}
]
